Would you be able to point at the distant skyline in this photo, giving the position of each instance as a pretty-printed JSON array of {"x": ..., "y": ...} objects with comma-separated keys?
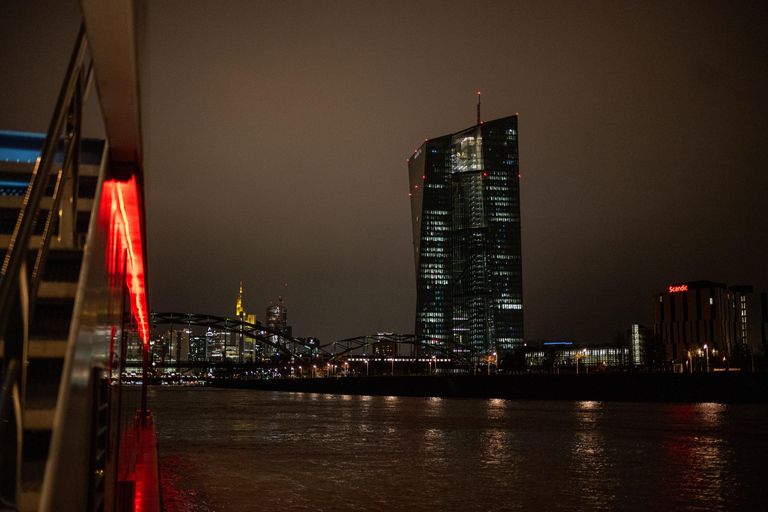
[{"x": 276, "y": 137}]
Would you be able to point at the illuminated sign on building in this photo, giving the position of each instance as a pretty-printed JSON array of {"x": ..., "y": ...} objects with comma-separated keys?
[{"x": 678, "y": 288}]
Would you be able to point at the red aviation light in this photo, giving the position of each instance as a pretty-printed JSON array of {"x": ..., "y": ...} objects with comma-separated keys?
[
  {"x": 678, "y": 288},
  {"x": 122, "y": 199}
]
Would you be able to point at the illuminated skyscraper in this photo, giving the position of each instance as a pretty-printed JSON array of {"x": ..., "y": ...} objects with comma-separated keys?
[
  {"x": 277, "y": 317},
  {"x": 465, "y": 206},
  {"x": 240, "y": 315},
  {"x": 240, "y": 311}
]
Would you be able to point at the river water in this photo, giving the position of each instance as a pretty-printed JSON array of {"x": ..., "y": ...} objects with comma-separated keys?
[{"x": 244, "y": 450}]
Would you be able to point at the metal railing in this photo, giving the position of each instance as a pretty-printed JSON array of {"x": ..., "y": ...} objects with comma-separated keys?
[{"x": 19, "y": 284}]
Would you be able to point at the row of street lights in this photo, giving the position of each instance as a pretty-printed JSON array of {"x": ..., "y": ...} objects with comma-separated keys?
[
  {"x": 331, "y": 368},
  {"x": 706, "y": 350}
]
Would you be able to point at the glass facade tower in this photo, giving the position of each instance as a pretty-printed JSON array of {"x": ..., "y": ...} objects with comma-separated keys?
[{"x": 465, "y": 206}]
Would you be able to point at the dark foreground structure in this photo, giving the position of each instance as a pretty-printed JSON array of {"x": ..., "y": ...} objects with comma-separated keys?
[
  {"x": 75, "y": 433},
  {"x": 721, "y": 387}
]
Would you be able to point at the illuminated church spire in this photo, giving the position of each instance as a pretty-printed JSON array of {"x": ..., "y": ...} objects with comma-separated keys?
[{"x": 240, "y": 310}]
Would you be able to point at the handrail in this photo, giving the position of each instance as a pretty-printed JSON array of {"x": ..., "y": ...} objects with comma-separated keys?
[
  {"x": 18, "y": 286},
  {"x": 7, "y": 390},
  {"x": 10, "y": 438},
  {"x": 69, "y": 166},
  {"x": 19, "y": 244}
]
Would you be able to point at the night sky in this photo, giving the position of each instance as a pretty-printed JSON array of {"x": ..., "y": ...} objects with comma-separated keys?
[{"x": 276, "y": 137}]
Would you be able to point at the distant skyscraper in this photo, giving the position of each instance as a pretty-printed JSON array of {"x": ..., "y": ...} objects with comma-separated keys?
[
  {"x": 240, "y": 311},
  {"x": 465, "y": 206},
  {"x": 251, "y": 319},
  {"x": 277, "y": 320}
]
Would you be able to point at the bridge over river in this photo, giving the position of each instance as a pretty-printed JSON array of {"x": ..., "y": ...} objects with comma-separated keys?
[{"x": 253, "y": 351}]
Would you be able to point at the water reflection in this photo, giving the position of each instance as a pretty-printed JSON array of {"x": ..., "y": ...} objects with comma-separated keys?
[
  {"x": 242, "y": 450},
  {"x": 698, "y": 453},
  {"x": 588, "y": 437},
  {"x": 494, "y": 448}
]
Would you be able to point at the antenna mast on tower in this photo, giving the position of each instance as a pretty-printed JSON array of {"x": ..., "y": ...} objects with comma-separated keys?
[
  {"x": 240, "y": 310},
  {"x": 478, "y": 108}
]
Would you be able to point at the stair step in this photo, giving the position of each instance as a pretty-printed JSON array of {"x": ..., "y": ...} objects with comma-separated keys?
[
  {"x": 43, "y": 378},
  {"x": 28, "y": 500},
  {"x": 36, "y": 444},
  {"x": 50, "y": 348},
  {"x": 38, "y": 419},
  {"x": 57, "y": 290},
  {"x": 51, "y": 318},
  {"x": 47, "y": 349}
]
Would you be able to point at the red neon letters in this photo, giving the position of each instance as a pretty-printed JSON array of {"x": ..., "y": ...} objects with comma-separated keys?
[{"x": 678, "y": 288}]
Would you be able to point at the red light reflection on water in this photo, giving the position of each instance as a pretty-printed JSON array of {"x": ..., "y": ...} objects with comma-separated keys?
[
  {"x": 697, "y": 452},
  {"x": 175, "y": 498}
]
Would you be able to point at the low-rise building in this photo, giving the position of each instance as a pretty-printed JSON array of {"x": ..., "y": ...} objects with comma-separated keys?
[{"x": 705, "y": 325}]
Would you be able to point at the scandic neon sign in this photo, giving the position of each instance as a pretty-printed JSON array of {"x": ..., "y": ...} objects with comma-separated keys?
[{"x": 678, "y": 288}]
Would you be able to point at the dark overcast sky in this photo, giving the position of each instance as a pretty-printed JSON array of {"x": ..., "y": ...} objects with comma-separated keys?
[{"x": 276, "y": 137}]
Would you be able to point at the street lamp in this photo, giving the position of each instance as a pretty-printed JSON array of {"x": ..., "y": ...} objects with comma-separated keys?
[
  {"x": 706, "y": 351},
  {"x": 578, "y": 356},
  {"x": 366, "y": 368},
  {"x": 435, "y": 358}
]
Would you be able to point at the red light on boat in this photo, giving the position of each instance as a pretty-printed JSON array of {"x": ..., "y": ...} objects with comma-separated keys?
[{"x": 121, "y": 200}]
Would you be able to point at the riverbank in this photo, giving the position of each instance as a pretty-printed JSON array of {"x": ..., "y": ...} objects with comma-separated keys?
[{"x": 720, "y": 387}]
